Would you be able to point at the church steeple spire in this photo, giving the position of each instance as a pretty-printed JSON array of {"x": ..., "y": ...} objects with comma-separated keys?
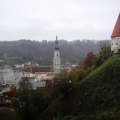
[{"x": 56, "y": 44}]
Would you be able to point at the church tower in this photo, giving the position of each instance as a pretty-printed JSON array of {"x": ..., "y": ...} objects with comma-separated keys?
[
  {"x": 115, "y": 37},
  {"x": 56, "y": 59}
]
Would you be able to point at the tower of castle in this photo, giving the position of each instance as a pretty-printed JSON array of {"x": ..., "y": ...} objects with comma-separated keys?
[{"x": 115, "y": 37}]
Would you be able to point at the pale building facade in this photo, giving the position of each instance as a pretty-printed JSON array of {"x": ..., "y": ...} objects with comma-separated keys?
[
  {"x": 40, "y": 74},
  {"x": 115, "y": 37},
  {"x": 57, "y": 59},
  {"x": 6, "y": 75}
]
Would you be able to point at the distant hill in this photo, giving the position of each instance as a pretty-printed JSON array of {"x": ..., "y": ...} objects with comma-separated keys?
[
  {"x": 42, "y": 52},
  {"x": 96, "y": 97}
]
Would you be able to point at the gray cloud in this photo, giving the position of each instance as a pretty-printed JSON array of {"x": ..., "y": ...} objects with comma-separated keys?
[{"x": 42, "y": 19}]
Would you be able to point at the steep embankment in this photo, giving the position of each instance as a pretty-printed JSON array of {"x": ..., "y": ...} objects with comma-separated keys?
[
  {"x": 96, "y": 97},
  {"x": 100, "y": 90}
]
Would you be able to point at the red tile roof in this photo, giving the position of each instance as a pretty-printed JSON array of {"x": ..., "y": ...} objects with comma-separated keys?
[
  {"x": 40, "y": 69},
  {"x": 116, "y": 31},
  {"x": 45, "y": 79}
]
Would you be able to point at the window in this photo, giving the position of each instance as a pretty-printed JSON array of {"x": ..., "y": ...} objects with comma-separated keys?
[
  {"x": 116, "y": 43},
  {"x": 112, "y": 43}
]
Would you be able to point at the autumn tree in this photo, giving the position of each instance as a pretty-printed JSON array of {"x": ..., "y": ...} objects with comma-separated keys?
[
  {"x": 77, "y": 75},
  {"x": 61, "y": 84},
  {"x": 105, "y": 53},
  {"x": 29, "y": 103},
  {"x": 89, "y": 60}
]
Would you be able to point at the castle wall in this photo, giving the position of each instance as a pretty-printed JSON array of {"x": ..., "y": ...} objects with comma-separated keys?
[{"x": 115, "y": 44}]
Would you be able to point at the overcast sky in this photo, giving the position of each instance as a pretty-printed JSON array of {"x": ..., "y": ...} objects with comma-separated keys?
[{"x": 69, "y": 19}]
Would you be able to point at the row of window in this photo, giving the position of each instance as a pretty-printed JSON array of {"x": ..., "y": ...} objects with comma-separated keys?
[{"x": 116, "y": 43}]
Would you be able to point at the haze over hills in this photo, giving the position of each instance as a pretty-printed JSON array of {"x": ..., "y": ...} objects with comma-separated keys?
[{"x": 23, "y": 50}]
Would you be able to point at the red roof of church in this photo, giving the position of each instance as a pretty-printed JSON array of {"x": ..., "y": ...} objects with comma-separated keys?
[
  {"x": 116, "y": 31},
  {"x": 40, "y": 69}
]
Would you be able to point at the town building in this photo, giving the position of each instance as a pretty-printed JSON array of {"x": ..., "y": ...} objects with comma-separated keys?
[
  {"x": 34, "y": 71},
  {"x": 6, "y": 75},
  {"x": 115, "y": 37},
  {"x": 45, "y": 73}
]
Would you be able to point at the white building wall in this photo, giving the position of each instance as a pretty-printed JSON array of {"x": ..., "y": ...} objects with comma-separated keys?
[
  {"x": 115, "y": 44},
  {"x": 8, "y": 76},
  {"x": 57, "y": 62}
]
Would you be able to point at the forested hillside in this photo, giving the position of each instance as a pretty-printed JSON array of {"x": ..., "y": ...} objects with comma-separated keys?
[
  {"x": 42, "y": 52},
  {"x": 87, "y": 93},
  {"x": 96, "y": 97}
]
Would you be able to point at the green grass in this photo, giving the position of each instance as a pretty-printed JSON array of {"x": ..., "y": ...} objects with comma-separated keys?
[
  {"x": 97, "y": 96},
  {"x": 114, "y": 59},
  {"x": 100, "y": 90}
]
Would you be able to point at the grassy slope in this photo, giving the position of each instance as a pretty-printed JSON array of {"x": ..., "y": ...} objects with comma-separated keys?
[
  {"x": 97, "y": 93},
  {"x": 100, "y": 90}
]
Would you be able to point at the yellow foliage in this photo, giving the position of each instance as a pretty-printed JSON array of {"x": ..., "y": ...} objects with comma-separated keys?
[{"x": 77, "y": 75}]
